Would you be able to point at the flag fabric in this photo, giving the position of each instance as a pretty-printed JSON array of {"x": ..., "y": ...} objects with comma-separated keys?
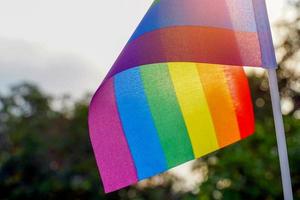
[{"x": 176, "y": 92}]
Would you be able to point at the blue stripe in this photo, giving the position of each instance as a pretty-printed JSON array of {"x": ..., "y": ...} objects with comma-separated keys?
[
  {"x": 238, "y": 15},
  {"x": 138, "y": 124}
]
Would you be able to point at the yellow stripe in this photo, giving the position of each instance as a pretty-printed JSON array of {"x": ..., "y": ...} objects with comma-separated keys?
[{"x": 194, "y": 107}]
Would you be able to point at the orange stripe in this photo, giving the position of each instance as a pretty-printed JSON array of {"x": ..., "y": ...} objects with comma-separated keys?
[{"x": 220, "y": 103}]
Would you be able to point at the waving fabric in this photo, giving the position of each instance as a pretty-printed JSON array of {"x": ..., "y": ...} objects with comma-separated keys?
[{"x": 176, "y": 92}]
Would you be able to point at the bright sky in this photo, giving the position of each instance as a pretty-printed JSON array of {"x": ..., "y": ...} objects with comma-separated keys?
[{"x": 67, "y": 46}]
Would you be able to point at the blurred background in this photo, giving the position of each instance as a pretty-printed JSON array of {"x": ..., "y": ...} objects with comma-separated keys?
[{"x": 53, "y": 56}]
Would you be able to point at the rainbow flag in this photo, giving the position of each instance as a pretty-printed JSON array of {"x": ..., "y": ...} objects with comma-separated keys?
[{"x": 176, "y": 92}]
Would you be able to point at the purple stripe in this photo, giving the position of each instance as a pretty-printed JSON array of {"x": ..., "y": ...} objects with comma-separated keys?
[
  {"x": 264, "y": 33},
  {"x": 111, "y": 150}
]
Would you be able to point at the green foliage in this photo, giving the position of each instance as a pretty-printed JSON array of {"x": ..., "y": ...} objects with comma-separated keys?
[
  {"x": 250, "y": 169},
  {"x": 46, "y": 154}
]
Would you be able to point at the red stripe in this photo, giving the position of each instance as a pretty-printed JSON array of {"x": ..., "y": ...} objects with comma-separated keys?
[
  {"x": 191, "y": 44},
  {"x": 239, "y": 88}
]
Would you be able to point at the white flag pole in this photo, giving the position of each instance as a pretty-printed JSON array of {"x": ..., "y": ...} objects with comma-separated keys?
[{"x": 280, "y": 135}]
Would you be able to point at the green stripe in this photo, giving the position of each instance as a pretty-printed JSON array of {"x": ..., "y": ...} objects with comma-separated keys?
[{"x": 166, "y": 113}]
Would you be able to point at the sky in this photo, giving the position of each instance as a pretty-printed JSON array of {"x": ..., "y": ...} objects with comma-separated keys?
[{"x": 67, "y": 46}]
